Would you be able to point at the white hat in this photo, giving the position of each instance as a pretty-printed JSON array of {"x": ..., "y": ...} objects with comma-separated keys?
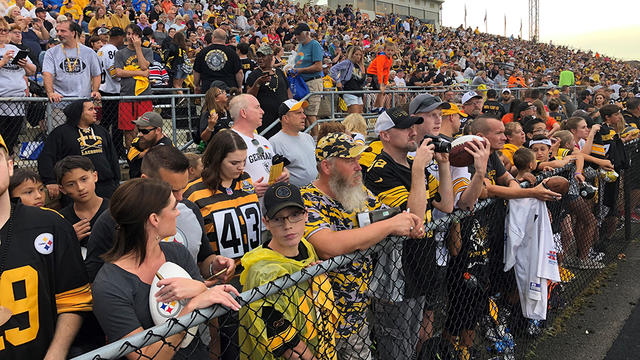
[
  {"x": 506, "y": 90},
  {"x": 469, "y": 95}
]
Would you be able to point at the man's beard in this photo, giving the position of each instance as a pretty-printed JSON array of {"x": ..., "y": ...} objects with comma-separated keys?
[{"x": 352, "y": 197}]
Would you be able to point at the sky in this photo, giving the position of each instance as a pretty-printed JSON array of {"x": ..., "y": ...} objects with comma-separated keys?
[{"x": 587, "y": 24}]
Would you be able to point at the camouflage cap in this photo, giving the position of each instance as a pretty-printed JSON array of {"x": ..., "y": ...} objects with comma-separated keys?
[{"x": 338, "y": 145}]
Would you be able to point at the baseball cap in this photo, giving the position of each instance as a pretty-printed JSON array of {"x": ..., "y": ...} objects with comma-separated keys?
[
  {"x": 338, "y": 145},
  {"x": 453, "y": 109},
  {"x": 265, "y": 50},
  {"x": 102, "y": 31},
  {"x": 149, "y": 118},
  {"x": 469, "y": 95},
  {"x": 300, "y": 28},
  {"x": 3, "y": 144},
  {"x": 425, "y": 103},
  {"x": 291, "y": 105},
  {"x": 281, "y": 195},
  {"x": 115, "y": 31},
  {"x": 396, "y": 118},
  {"x": 506, "y": 91},
  {"x": 220, "y": 85},
  {"x": 39, "y": 10}
]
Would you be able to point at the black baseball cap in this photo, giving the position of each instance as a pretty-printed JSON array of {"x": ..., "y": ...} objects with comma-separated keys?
[
  {"x": 395, "y": 117},
  {"x": 300, "y": 28},
  {"x": 116, "y": 31},
  {"x": 281, "y": 195}
]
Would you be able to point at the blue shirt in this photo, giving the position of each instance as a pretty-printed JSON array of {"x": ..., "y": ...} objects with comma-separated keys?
[{"x": 307, "y": 55}]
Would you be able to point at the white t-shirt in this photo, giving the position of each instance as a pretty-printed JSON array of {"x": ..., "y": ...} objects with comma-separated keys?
[
  {"x": 109, "y": 83},
  {"x": 258, "y": 162},
  {"x": 12, "y": 84},
  {"x": 72, "y": 69}
]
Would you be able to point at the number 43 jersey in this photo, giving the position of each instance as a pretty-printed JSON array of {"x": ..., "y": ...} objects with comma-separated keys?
[
  {"x": 42, "y": 276},
  {"x": 232, "y": 217}
]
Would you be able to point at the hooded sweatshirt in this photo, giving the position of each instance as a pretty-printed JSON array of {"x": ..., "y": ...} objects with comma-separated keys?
[{"x": 94, "y": 142}]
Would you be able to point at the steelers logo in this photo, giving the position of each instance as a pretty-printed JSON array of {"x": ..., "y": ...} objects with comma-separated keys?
[
  {"x": 215, "y": 59},
  {"x": 169, "y": 310}
]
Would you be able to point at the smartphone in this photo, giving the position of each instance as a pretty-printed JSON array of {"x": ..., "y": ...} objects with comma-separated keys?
[{"x": 19, "y": 56}]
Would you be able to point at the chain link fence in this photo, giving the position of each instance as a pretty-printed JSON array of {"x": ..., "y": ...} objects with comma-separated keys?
[{"x": 447, "y": 296}]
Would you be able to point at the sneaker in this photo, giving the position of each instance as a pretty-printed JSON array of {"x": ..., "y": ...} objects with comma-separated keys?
[{"x": 596, "y": 255}]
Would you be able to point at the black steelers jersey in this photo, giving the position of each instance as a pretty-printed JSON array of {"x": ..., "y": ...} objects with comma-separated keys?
[
  {"x": 391, "y": 182},
  {"x": 42, "y": 277},
  {"x": 232, "y": 216}
]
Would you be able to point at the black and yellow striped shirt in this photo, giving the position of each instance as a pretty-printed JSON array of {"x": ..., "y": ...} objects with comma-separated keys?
[{"x": 232, "y": 216}]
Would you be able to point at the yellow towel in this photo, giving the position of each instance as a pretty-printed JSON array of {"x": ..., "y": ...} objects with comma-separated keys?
[{"x": 142, "y": 82}]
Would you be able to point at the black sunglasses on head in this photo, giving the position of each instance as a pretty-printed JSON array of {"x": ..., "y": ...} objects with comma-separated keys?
[{"x": 146, "y": 131}]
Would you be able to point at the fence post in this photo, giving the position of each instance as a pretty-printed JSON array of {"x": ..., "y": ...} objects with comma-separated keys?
[
  {"x": 174, "y": 124},
  {"x": 333, "y": 105},
  {"x": 49, "y": 119}
]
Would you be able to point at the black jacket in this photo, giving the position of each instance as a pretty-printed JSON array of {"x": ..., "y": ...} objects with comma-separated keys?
[{"x": 95, "y": 143}]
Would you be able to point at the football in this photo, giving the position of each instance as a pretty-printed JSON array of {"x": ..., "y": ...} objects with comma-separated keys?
[
  {"x": 459, "y": 156},
  {"x": 557, "y": 184},
  {"x": 161, "y": 312}
]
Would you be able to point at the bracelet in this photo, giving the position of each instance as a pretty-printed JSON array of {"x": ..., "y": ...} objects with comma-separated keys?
[
  {"x": 210, "y": 266},
  {"x": 210, "y": 130},
  {"x": 577, "y": 173}
]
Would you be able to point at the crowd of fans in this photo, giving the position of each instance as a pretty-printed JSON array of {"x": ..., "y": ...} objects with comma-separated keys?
[{"x": 253, "y": 208}]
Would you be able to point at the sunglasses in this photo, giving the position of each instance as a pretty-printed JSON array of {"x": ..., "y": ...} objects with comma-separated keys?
[
  {"x": 257, "y": 143},
  {"x": 146, "y": 131},
  {"x": 4, "y": 31}
]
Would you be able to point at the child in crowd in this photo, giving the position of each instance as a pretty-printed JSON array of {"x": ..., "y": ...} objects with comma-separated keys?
[
  {"x": 356, "y": 126},
  {"x": 515, "y": 139},
  {"x": 525, "y": 163},
  {"x": 195, "y": 166},
  {"x": 26, "y": 185},
  {"x": 77, "y": 179},
  {"x": 533, "y": 127}
]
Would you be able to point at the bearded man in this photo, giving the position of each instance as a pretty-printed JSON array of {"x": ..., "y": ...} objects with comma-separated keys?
[{"x": 333, "y": 202}]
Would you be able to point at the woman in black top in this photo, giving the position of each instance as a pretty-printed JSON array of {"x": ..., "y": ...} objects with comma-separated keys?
[
  {"x": 214, "y": 115},
  {"x": 121, "y": 288}
]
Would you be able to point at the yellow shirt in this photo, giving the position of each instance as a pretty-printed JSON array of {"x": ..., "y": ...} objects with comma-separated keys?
[
  {"x": 120, "y": 21},
  {"x": 74, "y": 11},
  {"x": 94, "y": 23}
]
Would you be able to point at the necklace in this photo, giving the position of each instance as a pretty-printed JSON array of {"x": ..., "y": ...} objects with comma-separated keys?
[
  {"x": 270, "y": 85},
  {"x": 69, "y": 66}
]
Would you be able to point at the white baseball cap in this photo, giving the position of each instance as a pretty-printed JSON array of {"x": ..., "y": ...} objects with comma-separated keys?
[{"x": 469, "y": 95}]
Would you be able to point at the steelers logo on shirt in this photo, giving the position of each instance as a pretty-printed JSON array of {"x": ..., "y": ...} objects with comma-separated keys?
[
  {"x": 44, "y": 243},
  {"x": 72, "y": 65},
  {"x": 215, "y": 59}
]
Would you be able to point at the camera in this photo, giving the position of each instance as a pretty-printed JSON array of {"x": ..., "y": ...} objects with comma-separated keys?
[
  {"x": 440, "y": 145},
  {"x": 587, "y": 191},
  {"x": 367, "y": 218}
]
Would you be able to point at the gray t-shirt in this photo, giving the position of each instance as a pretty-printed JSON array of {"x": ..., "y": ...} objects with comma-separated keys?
[
  {"x": 300, "y": 150},
  {"x": 125, "y": 57},
  {"x": 72, "y": 69},
  {"x": 121, "y": 299},
  {"x": 12, "y": 84}
]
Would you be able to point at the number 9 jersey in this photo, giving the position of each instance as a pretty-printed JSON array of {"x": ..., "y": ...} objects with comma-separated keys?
[{"x": 41, "y": 276}]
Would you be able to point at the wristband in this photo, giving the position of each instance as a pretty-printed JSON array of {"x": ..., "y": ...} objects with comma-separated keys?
[
  {"x": 210, "y": 130},
  {"x": 577, "y": 173}
]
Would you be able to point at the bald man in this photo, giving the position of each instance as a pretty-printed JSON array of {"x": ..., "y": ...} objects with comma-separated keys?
[{"x": 217, "y": 62}]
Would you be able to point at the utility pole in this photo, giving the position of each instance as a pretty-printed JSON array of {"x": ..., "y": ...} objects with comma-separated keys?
[{"x": 534, "y": 20}]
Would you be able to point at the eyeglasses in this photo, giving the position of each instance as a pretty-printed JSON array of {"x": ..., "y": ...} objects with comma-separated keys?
[
  {"x": 4, "y": 31},
  {"x": 146, "y": 131},
  {"x": 255, "y": 142},
  {"x": 293, "y": 218}
]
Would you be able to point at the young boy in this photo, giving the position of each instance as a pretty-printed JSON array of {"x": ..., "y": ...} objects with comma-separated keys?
[
  {"x": 300, "y": 321},
  {"x": 26, "y": 185},
  {"x": 525, "y": 162},
  {"x": 535, "y": 127},
  {"x": 195, "y": 166},
  {"x": 77, "y": 179}
]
